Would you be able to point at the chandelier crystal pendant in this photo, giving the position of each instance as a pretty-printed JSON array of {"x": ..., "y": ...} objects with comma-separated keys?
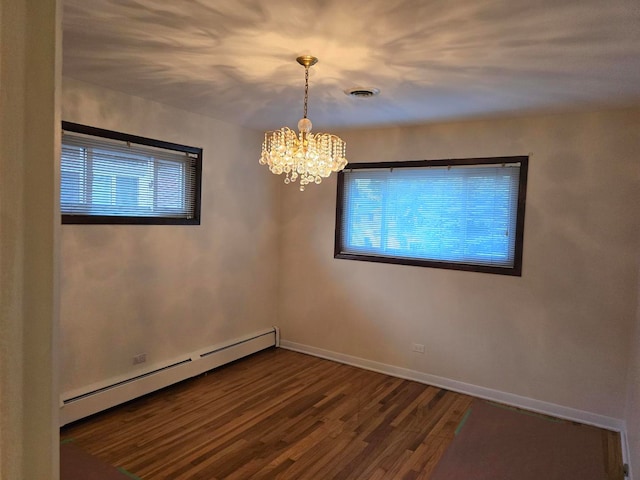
[{"x": 305, "y": 155}]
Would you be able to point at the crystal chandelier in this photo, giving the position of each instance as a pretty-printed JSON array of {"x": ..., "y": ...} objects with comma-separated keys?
[{"x": 310, "y": 156}]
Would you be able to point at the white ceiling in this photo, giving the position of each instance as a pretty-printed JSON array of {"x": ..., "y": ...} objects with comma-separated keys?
[{"x": 431, "y": 59}]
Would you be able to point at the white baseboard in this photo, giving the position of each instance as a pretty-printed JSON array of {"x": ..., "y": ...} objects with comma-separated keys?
[
  {"x": 519, "y": 401},
  {"x": 100, "y": 396}
]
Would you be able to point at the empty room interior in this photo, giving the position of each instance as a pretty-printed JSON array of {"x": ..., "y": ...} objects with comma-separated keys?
[{"x": 300, "y": 325}]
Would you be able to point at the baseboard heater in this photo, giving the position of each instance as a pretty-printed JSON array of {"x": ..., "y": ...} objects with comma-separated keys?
[{"x": 95, "y": 398}]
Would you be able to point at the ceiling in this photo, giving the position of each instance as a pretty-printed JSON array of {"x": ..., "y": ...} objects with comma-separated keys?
[{"x": 433, "y": 60}]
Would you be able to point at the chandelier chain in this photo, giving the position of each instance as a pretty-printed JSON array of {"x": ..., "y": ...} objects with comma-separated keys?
[{"x": 306, "y": 90}]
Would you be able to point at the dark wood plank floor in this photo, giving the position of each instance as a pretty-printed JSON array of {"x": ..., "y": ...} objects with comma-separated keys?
[{"x": 280, "y": 414}]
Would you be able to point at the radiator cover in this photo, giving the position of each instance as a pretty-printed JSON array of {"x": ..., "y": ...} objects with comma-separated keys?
[{"x": 81, "y": 403}]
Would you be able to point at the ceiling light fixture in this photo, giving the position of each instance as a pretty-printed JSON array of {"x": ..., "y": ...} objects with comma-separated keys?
[{"x": 309, "y": 156}]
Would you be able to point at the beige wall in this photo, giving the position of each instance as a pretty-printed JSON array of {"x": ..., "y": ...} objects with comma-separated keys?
[
  {"x": 29, "y": 143},
  {"x": 168, "y": 290},
  {"x": 560, "y": 333}
]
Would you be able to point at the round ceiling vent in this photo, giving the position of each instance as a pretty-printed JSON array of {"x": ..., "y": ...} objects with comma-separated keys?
[{"x": 362, "y": 92}]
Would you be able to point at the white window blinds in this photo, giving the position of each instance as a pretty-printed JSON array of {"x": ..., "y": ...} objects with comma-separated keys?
[
  {"x": 115, "y": 178},
  {"x": 464, "y": 214}
]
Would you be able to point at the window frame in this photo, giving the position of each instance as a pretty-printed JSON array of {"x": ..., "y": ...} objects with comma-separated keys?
[
  {"x": 77, "y": 219},
  {"x": 515, "y": 270}
]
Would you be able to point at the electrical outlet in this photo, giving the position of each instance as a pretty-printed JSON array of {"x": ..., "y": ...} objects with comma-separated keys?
[
  {"x": 418, "y": 347},
  {"x": 140, "y": 358}
]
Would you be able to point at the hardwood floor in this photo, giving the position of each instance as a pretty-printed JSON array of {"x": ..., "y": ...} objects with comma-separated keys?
[{"x": 281, "y": 414}]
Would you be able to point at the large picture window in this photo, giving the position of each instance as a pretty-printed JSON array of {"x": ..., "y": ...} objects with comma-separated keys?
[
  {"x": 465, "y": 214},
  {"x": 112, "y": 177}
]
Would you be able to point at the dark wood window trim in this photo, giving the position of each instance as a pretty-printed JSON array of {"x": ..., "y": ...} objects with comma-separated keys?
[
  {"x": 515, "y": 270},
  {"x": 134, "y": 220}
]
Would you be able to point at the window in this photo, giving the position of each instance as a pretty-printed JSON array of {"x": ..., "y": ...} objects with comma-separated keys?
[
  {"x": 458, "y": 214},
  {"x": 111, "y": 177}
]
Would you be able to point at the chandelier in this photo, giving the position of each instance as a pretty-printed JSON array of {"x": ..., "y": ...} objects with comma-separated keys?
[{"x": 309, "y": 156}]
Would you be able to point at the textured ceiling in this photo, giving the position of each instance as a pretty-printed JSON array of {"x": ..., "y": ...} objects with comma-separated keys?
[{"x": 431, "y": 59}]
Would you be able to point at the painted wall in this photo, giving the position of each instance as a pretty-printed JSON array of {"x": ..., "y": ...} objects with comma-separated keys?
[
  {"x": 29, "y": 144},
  {"x": 560, "y": 333},
  {"x": 168, "y": 290}
]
